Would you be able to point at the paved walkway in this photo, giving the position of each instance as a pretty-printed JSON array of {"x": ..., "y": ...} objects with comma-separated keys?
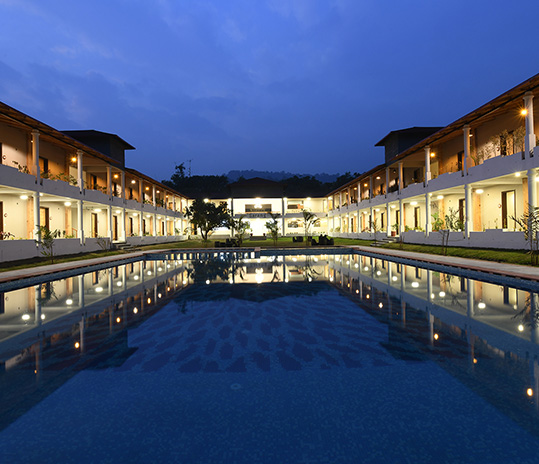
[{"x": 513, "y": 270}]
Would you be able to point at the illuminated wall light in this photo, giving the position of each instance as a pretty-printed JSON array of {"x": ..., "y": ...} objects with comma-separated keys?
[
  {"x": 481, "y": 305},
  {"x": 415, "y": 284},
  {"x": 43, "y": 317},
  {"x": 413, "y": 203},
  {"x": 380, "y": 305},
  {"x": 475, "y": 360},
  {"x": 378, "y": 273},
  {"x": 74, "y": 159},
  {"x": 135, "y": 214},
  {"x": 207, "y": 282},
  {"x": 365, "y": 185},
  {"x": 159, "y": 269},
  {"x": 97, "y": 210},
  {"x": 331, "y": 279},
  {"x": 149, "y": 300},
  {"x": 529, "y": 392},
  {"x": 184, "y": 282},
  {"x": 357, "y": 291},
  {"x": 394, "y": 278},
  {"x": 67, "y": 203},
  {"x": 347, "y": 261},
  {"x": 521, "y": 328},
  {"x": 69, "y": 301},
  {"x": 115, "y": 176},
  {"x": 517, "y": 174},
  {"x": 432, "y": 295},
  {"x": 377, "y": 177},
  {"x": 168, "y": 289},
  {"x": 40, "y": 194},
  {"x": 136, "y": 277},
  {"x": 286, "y": 280},
  {"x": 118, "y": 320},
  {"x": 440, "y": 197},
  {"x": 393, "y": 206},
  {"x": 159, "y": 295},
  {"x": 436, "y": 336},
  {"x": 206, "y": 200},
  {"x": 442, "y": 294},
  {"x": 368, "y": 297},
  {"x": 135, "y": 310},
  {"x": 149, "y": 272},
  {"x": 147, "y": 188},
  {"x": 133, "y": 181},
  {"x": 26, "y": 317},
  {"x": 24, "y": 197},
  {"x": 118, "y": 211},
  {"x": 366, "y": 268},
  {"x": 377, "y": 209},
  {"x": 432, "y": 154},
  {"x": 524, "y": 112},
  {"x": 356, "y": 265},
  {"x": 77, "y": 345},
  {"x": 119, "y": 284},
  {"x": 479, "y": 191},
  {"x": 99, "y": 289}
]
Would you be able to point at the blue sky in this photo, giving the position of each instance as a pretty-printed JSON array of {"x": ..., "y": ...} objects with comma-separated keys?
[{"x": 299, "y": 85}]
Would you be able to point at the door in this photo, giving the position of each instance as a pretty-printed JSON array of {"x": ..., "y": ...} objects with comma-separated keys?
[
  {"x": 114, "y": 227},
  {"x": 508, "y": 208},
  {"x": 94, "y": 225},
  {"x": 44, "y": 217}
]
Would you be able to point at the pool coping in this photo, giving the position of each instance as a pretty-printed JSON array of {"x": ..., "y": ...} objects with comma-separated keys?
[{"x": 489, "y": 267}]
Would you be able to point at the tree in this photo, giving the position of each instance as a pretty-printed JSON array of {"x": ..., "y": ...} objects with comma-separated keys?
[
  {"x": 373, "y": 225},
  {"x": 309, "y": 219},
  {"x": 45, "y": 240},
  {"x": 452, "y": 223},
  {"x": 273, "y": 227},
  {"x": 207, "y": 217},
  {"x": 529, "y": 223},
  {"x": 239, "y": 228}
]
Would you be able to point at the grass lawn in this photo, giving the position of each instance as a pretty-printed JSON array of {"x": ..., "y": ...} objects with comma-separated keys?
[{"x": 504, "y": 256}]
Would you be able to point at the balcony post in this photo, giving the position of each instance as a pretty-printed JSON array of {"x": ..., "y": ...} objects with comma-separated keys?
[
  {"x": 124, "y": 196},
  {"x": 140, "y": 192},
  {"x": 387, "y": 181},
  {"x": 529, "y": 141},
  {"x": 154, "y": 219},
  {"x": 79, "y": 171},
  {"x": 109, "y": 180},
  {"x": 466, "y": 134},
  {"x": 35, "y": 154},
  {"x": 428, "y": 175},
  {"x": 370, "y": 188},
  {"x": 401, "y": 176},
  {"x": 153, "y": 196}
]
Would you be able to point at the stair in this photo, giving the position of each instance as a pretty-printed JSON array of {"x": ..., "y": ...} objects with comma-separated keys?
[{"x": 384, "y": 240}]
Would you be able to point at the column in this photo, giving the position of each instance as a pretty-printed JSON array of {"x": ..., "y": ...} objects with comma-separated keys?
[
  {"x": 370, "y": 188},
  {"x": 154, "y": 219},
  {"x": 35, "y": 154},
  {"x": 140, "y": 218},
  {"x": 109, "y": 180},
  {"x": 140, "y": 192},
  {"x": 529, "y": 141},
  {"x": 388, "y": 221},
  {"x": 427, "y": 214},
  {"x": 153, "y": 196},
  {"x": 466, "y": 134},
  {"x": 532, "y": 189},
  {"x": 401, "y": 218},
  {"x": 371, "y": 222},
  {"x": 109, "y": 223},
  {"x": 124, "y": 196},
  {"x": 80, "y": 221},
  {"x": 284, "y": 205},
  {"x": 468, "y": 219},
  {"x": 427, "y": 165},
  {"x": 387, "y": 182},
  {"x": 401, "y": 176},
  {"x": 124, "y": 231},
  {"x": 37, "y": 215},
  {"x": 80, "y": 180}
]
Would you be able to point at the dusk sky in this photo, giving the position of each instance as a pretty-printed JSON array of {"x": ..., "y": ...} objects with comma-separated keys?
[{"x": 299, "y": 85}]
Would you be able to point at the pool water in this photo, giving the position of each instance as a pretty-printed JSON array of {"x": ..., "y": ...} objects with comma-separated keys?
[{"x": 287, "y": 371}]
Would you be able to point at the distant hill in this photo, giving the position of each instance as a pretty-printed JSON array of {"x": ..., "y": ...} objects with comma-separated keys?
[{"x": 277, "y": 176}]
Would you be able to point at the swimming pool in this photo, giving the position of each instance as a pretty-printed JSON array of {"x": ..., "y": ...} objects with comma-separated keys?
[{"x": 297, "y": 358}]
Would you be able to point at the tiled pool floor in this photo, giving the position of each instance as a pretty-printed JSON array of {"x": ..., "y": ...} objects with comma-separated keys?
[{"x": 221, "y": 377}]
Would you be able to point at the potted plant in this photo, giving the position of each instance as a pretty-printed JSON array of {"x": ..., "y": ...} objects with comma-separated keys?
[{"x": 395, "y": 228}]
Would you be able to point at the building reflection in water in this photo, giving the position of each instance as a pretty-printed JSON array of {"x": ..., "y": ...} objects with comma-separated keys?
[{"x": 483, "y": 334}]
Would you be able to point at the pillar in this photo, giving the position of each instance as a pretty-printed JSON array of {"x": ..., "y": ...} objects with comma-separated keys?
[
  {"x": 427, "y": 214},
  {"x": 140, "y": 192},
  {"x": 468, "y": 218},
  {"x": 388, "y": 220},
  {"x": 109, "y": 180},
  {"x": 529, "y": 141},
  {"x": 466, "y": 136},
  {"x": 427, "y": 165},
  {"x": 80, "y": 180},
  {"x": 370, "y": 188},
  {"x": 37, "y": 215},
  {"x": 35, "y": 154},
  {"x": 153, "y": 196},
  {"x": 401, "y": 176},
  {"x": 109, "y": 222},
  {"x": 401, "y": 218},
  {"x": 124, "y": 196},
  {"x": 387, "y": 182},
  {"x": 80, "y": 221},
  {"x": 124, "y": 229},
  {"x": 532, "y": 189}
]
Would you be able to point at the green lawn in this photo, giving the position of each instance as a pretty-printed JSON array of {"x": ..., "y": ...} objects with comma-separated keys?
[{"x": 504, "y": 256}]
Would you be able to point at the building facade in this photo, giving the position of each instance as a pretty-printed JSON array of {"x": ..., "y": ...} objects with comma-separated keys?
[{"x": 53, "y": 179}]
